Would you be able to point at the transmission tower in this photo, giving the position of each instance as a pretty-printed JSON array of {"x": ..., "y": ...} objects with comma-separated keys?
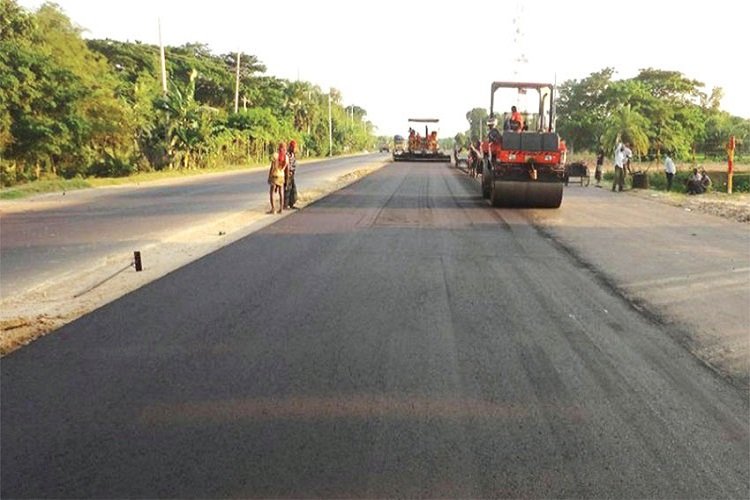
[{"x": 519, "y": 43}]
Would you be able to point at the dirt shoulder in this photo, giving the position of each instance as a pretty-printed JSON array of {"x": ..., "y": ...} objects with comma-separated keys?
[
  {"x": 734, "y": 207},
  {"x": 28, "y": 316},
  {"x": 684, "y": 261}
]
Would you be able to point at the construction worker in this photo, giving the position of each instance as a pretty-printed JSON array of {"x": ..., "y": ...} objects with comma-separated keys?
[
  {"x": 622, "y": 161},
  {"x": 516, "y": 120},
  {"x": 290, "y": 185},
  {"x": 669, "y": 170},
  {"x": 475, "y": 152}
]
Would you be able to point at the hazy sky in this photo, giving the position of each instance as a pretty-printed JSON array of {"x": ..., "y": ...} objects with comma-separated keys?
[{"x": 400, "y": 59}]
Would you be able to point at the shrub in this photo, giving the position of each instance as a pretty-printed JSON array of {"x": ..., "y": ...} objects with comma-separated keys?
[{"x": 112, "y": 166}]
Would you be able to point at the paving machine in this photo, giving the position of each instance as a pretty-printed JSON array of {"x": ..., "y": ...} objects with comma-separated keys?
[
  {"x": 524, "y": 168},
  {"x": 422, "y": 148}
]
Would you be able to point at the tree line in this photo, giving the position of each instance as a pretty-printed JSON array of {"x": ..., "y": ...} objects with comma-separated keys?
[
  {"x": 74, "y": 107},
  {"x": 656, "y": 111}
]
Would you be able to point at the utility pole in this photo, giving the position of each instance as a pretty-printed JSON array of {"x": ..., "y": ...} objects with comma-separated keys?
[
  {"x": 330, "y": 126},
  {"x": 163, "y": 60},
  {"x": 731, "y": 146},
  {"x": 237, "y": 86}
]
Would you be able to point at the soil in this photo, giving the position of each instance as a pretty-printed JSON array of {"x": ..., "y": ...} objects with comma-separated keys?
[{"x": 735, "y": 206}]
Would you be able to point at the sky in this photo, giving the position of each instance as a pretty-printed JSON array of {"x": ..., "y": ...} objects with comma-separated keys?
[{"x": 399, "y": 59}]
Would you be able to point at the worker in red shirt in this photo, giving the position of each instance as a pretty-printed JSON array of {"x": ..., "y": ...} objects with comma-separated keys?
[{"x": 516, "y": 120}]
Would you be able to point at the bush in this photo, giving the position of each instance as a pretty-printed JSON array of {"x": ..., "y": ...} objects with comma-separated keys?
[
  {"x": 658, "y": 181},
  {"x": 741, "y": 183},
  {"x": 111, "y": 166}
]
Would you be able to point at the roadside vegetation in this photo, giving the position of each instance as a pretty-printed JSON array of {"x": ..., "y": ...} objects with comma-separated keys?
[
  {"x": 72, "y": 109},
  {"x": 657, "y": 112}
]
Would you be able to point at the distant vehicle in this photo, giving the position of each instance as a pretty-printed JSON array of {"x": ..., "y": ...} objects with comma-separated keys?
[
  {"x": 384, "y": 148},
  {"x": 422, "y": 148},
  {"x": 399, "y": 146}
]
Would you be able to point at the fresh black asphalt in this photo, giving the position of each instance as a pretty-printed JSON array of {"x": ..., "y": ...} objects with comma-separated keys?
[{"x": 398, "y": 338}]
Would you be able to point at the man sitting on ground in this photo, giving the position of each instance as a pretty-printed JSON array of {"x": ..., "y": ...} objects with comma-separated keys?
[{"x": 694, "y": 183}]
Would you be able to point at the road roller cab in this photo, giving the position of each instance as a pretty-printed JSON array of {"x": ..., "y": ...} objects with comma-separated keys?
[{"x": 524, "y": 168}]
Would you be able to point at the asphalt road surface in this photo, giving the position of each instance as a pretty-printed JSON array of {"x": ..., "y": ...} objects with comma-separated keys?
[
  {"x": 396, "y": 339},
  {"x": 85, "y": 227}
]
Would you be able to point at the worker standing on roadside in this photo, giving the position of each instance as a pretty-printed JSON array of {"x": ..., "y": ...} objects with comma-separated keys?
[
  {"x": 669, "y": 170},
  {"x": 290, "y": 185},
  {"x": 276, "y": 178},
  {"x": 622, "y": 157},
  {"x": 474, "y": 155},
  {"x": 599, "y": 166}
]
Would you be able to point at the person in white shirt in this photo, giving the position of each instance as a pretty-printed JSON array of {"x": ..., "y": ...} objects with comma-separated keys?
[
  {"x": 622, "y": 159},
  {"x": 669, "y": 170},
  {"x": 694, "y": 183}
]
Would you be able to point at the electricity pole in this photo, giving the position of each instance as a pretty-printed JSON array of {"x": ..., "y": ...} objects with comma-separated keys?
[
  {"x": 163, "y": 60},
  {"x": 237, "y": 86},
  {"x": 330, "y": 126}
]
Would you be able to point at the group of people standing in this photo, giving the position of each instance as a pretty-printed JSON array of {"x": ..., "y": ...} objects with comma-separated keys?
[
  {"x": 281, "y": 177},
  {"x": 698, "y": 183}
]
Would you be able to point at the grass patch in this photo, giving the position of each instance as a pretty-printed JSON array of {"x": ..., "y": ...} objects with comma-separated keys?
[
  {"x": 54, "y": 185},
  {"x": 164, "y": 174},
  {"x": 658, "y": 181},
  {"x": 43, "y": 186}
]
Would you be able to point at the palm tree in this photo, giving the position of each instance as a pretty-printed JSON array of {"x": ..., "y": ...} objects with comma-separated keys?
[
  {"x": 627, "y": 126},
  {"x": 187, "y": 124},
  {"x": 299, "y": 103}
]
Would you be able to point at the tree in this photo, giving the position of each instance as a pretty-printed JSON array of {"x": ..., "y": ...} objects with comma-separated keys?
[
  {"x": 73, "y": 107},
  {"x": 628, "y": 126},
  {"x": 41, "y": 99},
  {"x": 583, "y": 109},
  {"x": 477, "y": 119}
]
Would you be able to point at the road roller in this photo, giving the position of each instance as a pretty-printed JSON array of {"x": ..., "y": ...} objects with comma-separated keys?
[{"x": 523, "y": 164}]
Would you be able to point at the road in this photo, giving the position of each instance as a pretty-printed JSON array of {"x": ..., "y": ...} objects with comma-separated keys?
[
  {"x": 82, "y": 228},
  {"x": 396, "y": 339}
]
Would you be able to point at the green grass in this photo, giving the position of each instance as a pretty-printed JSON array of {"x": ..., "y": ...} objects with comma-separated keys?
[
  {"x": 43, "y": 186},
  {"x": 658, "y": 181},
  {"x": 165, "y": 174},
  {"x": 54, "y": 185}
]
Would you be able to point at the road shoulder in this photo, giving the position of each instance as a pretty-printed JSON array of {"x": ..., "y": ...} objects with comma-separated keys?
[
  {"x": 43, "y": 309},
  {"x": 685, "y": 269}
]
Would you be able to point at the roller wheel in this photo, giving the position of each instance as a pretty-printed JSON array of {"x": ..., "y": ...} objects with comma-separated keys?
[{"x": 517, "y": 194}]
